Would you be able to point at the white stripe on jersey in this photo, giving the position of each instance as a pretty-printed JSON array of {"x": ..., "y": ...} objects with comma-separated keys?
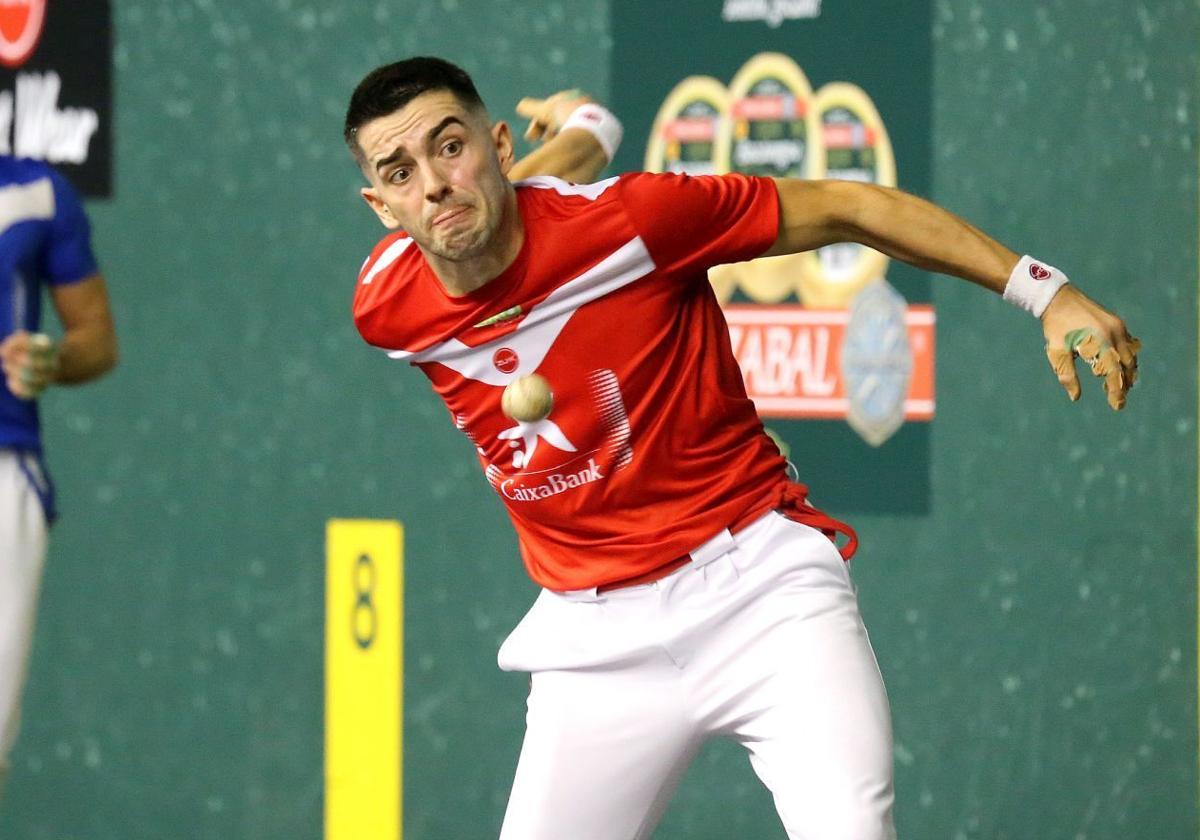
[
  {"x": 549, "y": 182},
  {"x": 25, "y": 202},
  {"x": 389, "y": 256},
  {"x": 540, "y": 182},
  {"x": 19, "y": 301},
  {"x": 541, "y": 327}
]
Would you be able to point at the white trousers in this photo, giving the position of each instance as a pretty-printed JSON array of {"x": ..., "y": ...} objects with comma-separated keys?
[
  {"x": 23, "y": 538},
  {"x": 759, "y": 639}
]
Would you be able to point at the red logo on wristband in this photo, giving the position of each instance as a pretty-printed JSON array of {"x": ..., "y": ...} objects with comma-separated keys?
[{"x": 1038, "y": 272}]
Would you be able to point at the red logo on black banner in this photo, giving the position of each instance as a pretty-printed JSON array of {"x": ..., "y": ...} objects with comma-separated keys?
[
  {"x": 20, "y": 28},
  {"x": 505, "y": 359},
  {"x": 1038, "y": 272}
]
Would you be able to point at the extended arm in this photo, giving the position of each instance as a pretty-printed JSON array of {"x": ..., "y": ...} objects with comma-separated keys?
[
  {"x": 817, "y": 213},
  {"x": 907, "y": 228},
  {"x": 573, "y": 154}
]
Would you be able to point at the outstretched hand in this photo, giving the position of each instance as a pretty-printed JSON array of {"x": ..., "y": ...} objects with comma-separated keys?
[
  {"x": 546, "y": 116},
  {"x": 1075, "y": 325}
]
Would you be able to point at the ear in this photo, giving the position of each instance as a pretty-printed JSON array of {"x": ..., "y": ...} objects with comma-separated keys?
[
  {"x": 381, "y": 210},
  {"x": 502, "y": 138}
]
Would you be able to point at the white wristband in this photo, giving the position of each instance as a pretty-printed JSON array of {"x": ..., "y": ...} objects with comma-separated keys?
[
  {"x": 1033, "y": 284},
  {"x": 600, "y": 123}
]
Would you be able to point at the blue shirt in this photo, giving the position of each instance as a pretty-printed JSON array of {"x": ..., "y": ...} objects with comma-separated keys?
[{"x": 44, "y": 241}]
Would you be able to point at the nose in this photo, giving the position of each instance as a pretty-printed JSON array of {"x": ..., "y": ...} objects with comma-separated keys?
[{"x": 437, "y": 185}]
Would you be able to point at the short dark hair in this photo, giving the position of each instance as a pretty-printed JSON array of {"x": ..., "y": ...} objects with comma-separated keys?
[{"x": 389, "y": 88}]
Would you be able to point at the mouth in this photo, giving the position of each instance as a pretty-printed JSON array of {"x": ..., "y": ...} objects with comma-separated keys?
[{"x": 450, "y": 216}]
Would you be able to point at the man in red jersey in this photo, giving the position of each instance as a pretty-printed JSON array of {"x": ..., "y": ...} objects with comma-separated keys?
[{"x": 688, "y": 589}]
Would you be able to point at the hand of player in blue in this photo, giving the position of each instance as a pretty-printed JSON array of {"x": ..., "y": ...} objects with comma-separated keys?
[
  {"x": 30, "y": 363},
  {"x": 1075, "y": 325}
]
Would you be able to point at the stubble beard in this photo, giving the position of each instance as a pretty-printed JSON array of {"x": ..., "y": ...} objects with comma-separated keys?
[{"x": 464, "y": 245}]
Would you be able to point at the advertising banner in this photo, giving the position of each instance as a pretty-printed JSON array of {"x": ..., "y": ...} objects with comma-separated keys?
[{"x": 836, "y": 346}]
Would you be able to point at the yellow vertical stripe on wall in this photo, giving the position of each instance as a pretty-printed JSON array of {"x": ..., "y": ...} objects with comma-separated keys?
[{"x": 364, "y": 679}]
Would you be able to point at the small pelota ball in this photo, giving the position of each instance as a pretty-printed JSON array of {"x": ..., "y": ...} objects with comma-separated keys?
[{"x": 527, "y": 399}]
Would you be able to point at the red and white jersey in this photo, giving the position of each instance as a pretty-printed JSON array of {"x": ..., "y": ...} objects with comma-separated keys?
[{"x": 652, "y": 446}]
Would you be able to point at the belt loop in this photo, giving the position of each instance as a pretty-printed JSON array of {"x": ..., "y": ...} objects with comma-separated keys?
[{"x": 718, "y": 546}]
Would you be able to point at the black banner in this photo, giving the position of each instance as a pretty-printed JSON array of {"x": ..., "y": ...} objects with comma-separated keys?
[{"x": 56, "y": 87}]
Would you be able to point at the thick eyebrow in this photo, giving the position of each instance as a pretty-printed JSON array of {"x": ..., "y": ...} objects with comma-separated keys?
[{"x": 433, "y": 133}]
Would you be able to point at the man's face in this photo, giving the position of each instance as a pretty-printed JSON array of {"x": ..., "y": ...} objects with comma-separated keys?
[{"x": 437, "y": 171}]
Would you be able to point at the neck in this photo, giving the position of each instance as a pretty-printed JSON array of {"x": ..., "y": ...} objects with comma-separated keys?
[{"x": 461, "y": 277}]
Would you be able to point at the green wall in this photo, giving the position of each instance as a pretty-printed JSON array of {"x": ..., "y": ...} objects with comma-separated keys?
[
  {"x": 1040, "y": 629},
  {"x": 1036, "y": 628}
]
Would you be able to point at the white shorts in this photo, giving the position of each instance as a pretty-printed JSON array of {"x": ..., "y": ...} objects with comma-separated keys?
[
  {"x": 760, "y": 642},
  {"x": 23, "y": 538}
]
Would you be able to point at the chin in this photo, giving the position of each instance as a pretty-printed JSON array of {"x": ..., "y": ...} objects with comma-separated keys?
[{"x": 462, "y": 247}]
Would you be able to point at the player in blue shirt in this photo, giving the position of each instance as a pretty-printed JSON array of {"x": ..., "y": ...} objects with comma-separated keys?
[{"x": 44, "y": 245}]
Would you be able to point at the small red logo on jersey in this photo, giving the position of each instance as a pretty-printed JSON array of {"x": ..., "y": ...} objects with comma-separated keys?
[
  {"x": 20, "y": 28},
  {"x": 1038, "y": 272},
  {"x": 505, "y": 359}
]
